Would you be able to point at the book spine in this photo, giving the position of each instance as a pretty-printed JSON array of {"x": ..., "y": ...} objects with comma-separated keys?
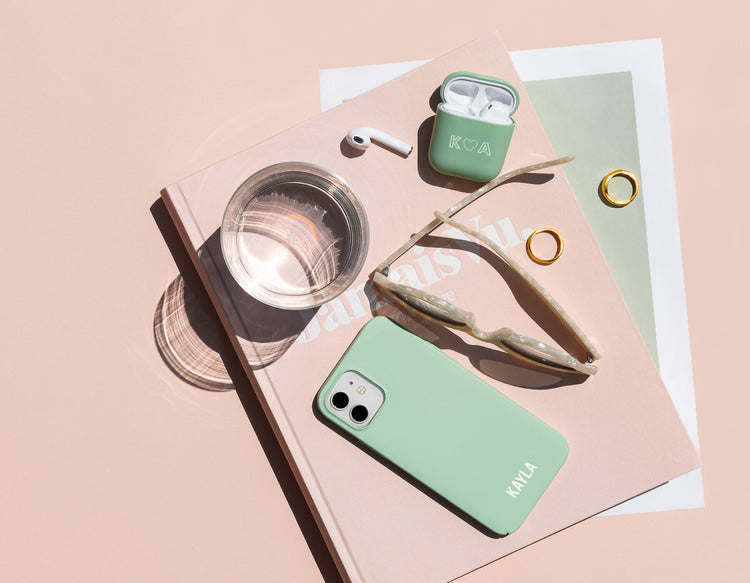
[{"x": 192, "y": 238}]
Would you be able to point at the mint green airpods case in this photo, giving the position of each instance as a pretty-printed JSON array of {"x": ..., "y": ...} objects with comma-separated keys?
[{"x": 473, "y": 126}]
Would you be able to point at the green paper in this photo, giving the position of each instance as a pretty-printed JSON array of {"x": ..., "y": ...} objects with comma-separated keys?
[{"x": 593, "y": 117}]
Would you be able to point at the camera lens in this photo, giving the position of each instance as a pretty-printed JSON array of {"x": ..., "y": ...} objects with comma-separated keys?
[
  {"x": 340, "y": 400},
  {"x": 359, "y": 413}
]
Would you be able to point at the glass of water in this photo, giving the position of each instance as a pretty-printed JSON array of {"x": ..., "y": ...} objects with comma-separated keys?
[{"x": 294, "y": 235}]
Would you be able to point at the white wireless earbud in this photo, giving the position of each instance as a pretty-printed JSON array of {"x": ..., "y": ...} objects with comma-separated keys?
[
  {"x": 457, "y": 109},
  {"x": 361, "y": 138},
  {"x": 495, "y": 112}
]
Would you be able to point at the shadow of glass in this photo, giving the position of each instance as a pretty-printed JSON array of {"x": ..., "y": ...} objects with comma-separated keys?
[
  {"x": 267, "y": 331},
  {"x": 189, "y": 337},
  {"x": 187, "y": 330}
]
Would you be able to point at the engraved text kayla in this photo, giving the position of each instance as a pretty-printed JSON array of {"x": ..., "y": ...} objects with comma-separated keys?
[{"x": 521, "y": 480}]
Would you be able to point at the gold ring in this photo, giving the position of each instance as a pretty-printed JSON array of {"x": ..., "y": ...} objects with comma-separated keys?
[
  {"x": 555, "y": 235},
  {"x": 605, "y": 187}
]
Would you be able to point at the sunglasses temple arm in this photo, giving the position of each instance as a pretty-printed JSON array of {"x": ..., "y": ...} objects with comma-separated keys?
[
  {"x": 466, "y": 201},
  {"x": 504, "y": 178},
  {"x": 538, "y": 288},
  {"x": 431, "y": 226}
]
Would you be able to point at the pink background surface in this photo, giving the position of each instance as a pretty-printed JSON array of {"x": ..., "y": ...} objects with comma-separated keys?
[
  {"x": 113, "y": 468},
  {"x": 623, "y": 433}
]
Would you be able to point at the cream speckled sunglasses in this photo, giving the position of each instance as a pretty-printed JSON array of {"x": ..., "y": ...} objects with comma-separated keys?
[{"x": 444, "y": 313}]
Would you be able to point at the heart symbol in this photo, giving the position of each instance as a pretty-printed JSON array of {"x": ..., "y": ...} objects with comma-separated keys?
[{"x": 470, "y": 145}]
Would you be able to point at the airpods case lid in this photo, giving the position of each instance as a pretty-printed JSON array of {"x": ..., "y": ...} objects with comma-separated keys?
[
  {"x": 473, "y": 126},
  {"x": 476, "y": 91}
]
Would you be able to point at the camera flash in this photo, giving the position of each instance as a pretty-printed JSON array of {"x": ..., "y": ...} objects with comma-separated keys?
[{"x": 361, "y": 389}]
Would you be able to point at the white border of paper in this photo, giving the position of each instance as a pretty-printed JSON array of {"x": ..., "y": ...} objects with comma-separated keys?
[{"x": 645, "y": 62}]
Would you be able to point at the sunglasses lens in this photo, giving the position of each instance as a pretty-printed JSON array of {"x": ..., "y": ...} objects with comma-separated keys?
[
  {"x": 537, "y": 354},
  {"x": 431, "y": 309}
]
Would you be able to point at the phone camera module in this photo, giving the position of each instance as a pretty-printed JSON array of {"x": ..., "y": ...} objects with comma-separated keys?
[
  {"x": 341, "y": 400},
  {"x": 359, "y": 413},
  {"x": 353, "y": 399}
]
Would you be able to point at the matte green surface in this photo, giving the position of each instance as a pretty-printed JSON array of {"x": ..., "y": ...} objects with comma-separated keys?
[
  {"x": 468, "y": 147},
  {"x": 449, "y": 429},
  {"x": 593, "y": 117}
]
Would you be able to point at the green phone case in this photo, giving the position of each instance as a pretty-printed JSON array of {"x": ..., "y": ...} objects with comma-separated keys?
[{"x": 448, "y": 429}]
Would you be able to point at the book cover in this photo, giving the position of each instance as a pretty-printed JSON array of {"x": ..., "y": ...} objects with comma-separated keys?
[{"x": 624, "y": 434}]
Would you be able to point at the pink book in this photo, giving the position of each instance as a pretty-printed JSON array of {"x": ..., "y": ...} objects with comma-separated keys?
[{"x": 622, "y": 429}]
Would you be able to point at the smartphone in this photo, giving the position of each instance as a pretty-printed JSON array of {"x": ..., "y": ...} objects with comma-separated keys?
[{"x": 421, "y": 411}]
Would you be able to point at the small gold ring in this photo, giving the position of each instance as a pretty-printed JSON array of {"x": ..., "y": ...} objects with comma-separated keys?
[
  {"x": 555, "y": 235},
  {"x": 605, "y": 187}
]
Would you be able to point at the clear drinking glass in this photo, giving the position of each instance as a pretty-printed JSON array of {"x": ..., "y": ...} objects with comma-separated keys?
[{"x": 294, "y": 235}]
